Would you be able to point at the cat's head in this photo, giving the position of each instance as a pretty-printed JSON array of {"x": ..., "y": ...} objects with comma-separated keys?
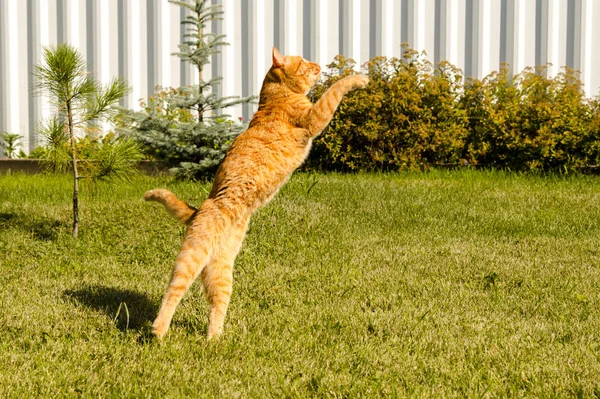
[{"x": 294, "y": 72}]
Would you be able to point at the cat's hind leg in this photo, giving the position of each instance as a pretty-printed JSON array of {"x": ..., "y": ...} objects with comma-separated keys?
[
  {"x": 203, "y": 236},
  {"x": 217, "y": 278}
]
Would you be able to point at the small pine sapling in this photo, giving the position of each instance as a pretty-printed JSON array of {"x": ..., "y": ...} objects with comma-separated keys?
[{"x": 73, "y": 139}]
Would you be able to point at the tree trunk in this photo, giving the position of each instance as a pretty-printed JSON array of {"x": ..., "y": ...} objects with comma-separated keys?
[
  {"x": 75, "y": 174},
  {"x": 75, "y": 199}
]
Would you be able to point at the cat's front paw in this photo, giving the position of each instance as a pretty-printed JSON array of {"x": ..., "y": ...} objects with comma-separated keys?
[{"x": 361, "y": 81}]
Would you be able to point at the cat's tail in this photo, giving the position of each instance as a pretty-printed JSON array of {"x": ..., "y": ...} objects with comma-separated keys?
[{"x": 176, "y": 207}]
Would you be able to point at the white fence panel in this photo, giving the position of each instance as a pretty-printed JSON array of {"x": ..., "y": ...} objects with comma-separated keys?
[{"x": 135, "y": 38}]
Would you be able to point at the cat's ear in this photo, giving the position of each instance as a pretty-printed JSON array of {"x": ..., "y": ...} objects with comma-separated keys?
[{"x": 278, "y": 59}]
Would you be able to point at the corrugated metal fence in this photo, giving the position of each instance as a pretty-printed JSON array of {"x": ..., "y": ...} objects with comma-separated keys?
[{"x": 135, "y": 38}]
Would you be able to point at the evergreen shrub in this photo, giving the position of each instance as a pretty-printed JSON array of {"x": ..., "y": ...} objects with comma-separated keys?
[{"x": 186, "y": 128}]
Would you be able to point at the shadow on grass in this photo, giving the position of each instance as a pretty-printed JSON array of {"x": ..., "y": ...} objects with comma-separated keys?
[
  {"x": 129, "y": 309},
  {"x": 41, "y": 227}
]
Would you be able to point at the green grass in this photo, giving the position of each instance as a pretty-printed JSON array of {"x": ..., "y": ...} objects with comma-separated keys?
[{"x": 446, "y": 284}]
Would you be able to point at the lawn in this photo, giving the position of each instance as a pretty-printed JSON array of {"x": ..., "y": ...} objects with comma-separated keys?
[{"x": 441, "y": 284}]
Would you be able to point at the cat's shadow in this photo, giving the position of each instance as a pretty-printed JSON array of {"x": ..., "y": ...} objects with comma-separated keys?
[{"x": 129, "y": 309}]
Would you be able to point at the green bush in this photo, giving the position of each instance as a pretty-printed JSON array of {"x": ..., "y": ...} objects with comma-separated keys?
[
  {"x": 406, "y": 118},
  {"x": 187, "y": 129},
  {"x": 171, "y": 134},
  {"x": 413, "y": 115},
  {"x": 529, "y": 121}
]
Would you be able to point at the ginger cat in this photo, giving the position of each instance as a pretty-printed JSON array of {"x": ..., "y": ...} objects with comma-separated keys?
[{"x": 258, "y": 163}]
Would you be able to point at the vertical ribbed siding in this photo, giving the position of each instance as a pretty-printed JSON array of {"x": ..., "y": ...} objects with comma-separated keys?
[
  {"x": 216, "y": 62},
  {"x": 62, "y": 22},
  {"x": 404, "y": 28},
  {"x": 124, "y": 44},
  {"x": 184, "y": 68},
  {"x": 111, "y": 38},
  {"x": 153, "y": 47},
  {"x": 375, "y": 23},
  {"x": 526, "y": 40},
  {"x": 439, "y": 51},
  {"x": 4, "y": 78},
  {"x": 309, "y": 26},
  {"x": 362, "y": 20},
  {"x": 472, "y": 38},
  {"x": 34, "y": 103},
  {"x": 91, "y": 18},
  {"x": 20, "y": 79},
  {"x": 279, "y": 25},
  {"x": 491, "y": 43},
  {"x": 52, "y": 35},
  {"x": 574, "y": 19},
  {"x": 135, "y": 38},
  {"x": 264, "y": 43},
  {"x": 329, "y": 24},
  {"x": 541, "y": 32},
  {"x": 170, "y": 42},
  {"x": 345, "y": 38},
  {"x": 589, "y": 68},
  {"x": 425, "y": 27},
  {"x": 507, "y": 33},
  {"x": 248, "y": 49}
]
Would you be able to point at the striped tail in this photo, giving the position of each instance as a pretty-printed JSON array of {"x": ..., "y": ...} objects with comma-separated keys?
[{"x": 176, "y": 208}]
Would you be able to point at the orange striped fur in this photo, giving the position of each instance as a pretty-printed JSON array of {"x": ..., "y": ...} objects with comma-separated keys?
[{"x": 258, "y": 163}]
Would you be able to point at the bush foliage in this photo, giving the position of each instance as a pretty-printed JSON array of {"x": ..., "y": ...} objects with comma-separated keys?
[
  {"x": 186, "y": 128},
  {"x": 414, "y": 115},
  {"x": 172, "y": 135}
]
